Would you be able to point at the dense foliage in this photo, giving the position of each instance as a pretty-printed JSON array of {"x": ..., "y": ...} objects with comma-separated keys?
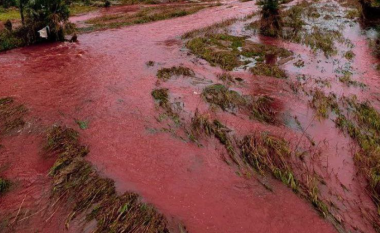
[{"x": 36, "y": 15}]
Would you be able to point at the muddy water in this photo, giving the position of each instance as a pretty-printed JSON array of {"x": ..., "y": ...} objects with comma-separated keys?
[{"x": 104, "y": 79}]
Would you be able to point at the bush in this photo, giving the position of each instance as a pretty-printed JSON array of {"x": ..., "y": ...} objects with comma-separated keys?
[{"x": 9, "y": 41}]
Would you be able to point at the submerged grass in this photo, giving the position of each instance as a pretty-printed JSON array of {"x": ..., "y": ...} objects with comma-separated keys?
[
  {"x": 260, "y": 108},
  {"x": 11, "y": 115},
  {"x": 295, "y": 22},
  {"x": 166, "y": 73},
  {"x": 218, "y": 49},
  {"x": 262, "y": 152},
  {"x": 226, "y": 99},
  {"x": 201, "y": 124},
  {"x": 252, "y": 49},
  {"x": 347, "y": 79},
  {"x": 362, "y": 123},
  {"x": 323, "y": 104},
  {"x": 87, "y": 193},
  {"x": 269, "y": 153},
  {"x": 226, "y": 51},
  {"x": 161, "y": 95},
  {"x": 265, "y": 152}
]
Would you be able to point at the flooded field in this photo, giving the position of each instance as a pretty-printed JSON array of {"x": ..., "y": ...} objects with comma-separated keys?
[{"x": 195, "y": 123}]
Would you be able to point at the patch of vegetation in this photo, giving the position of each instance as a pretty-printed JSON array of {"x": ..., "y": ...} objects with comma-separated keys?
[
  {"x": 352, "y": 14},
  {"x": 229, "y": 51},
  {"x": 218, "y": 49},
  {"x": 9, "y": 14},
  {"x": 362, "y": 123},
  {"x": 265, "y": 152},
  {"x": 85, "y": 192},
  {"x": 349, "y": 55},
  {"x": 221, "y": 96},
  {"x": 162, "y": 96},
  {"x": 295, "y": 29},
  {"x": 268, "y": 70},
  {"x": 9, "y": 40},
  {"x": 268, "y": 153},
  {"x": 227, "y": 78},
  {"x": 144, "y": 15},
  {"x": 11, "y": 115},
  {"x": 82, "y": 124},
  {"x": 166, "y": 73},
  {"x": 322, "y": 40},
  {"x": 293, "y": 20},
  {"x": 251, "y": 49},
  {"x": 262, "y": 109},
  {"x": 323, "y": 104},
  {"x": 78, "y": 9},
  {"x": 346, "y": 79},
  {"x": 4, "y": 185},
  {"x": 201, "y": 124},
  {"x": 300, "y": 63},
  {"x": 150, "y": 63}
]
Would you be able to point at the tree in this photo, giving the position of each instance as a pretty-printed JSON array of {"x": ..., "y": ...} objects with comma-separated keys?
[
  {"x": 22, "y": 4},
  {"x": 42, "y": 13},
  {"x": 271, "y": 22}
]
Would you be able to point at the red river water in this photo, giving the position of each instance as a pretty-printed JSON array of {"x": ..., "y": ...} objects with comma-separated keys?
[{"x": 104, "y": 80}]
